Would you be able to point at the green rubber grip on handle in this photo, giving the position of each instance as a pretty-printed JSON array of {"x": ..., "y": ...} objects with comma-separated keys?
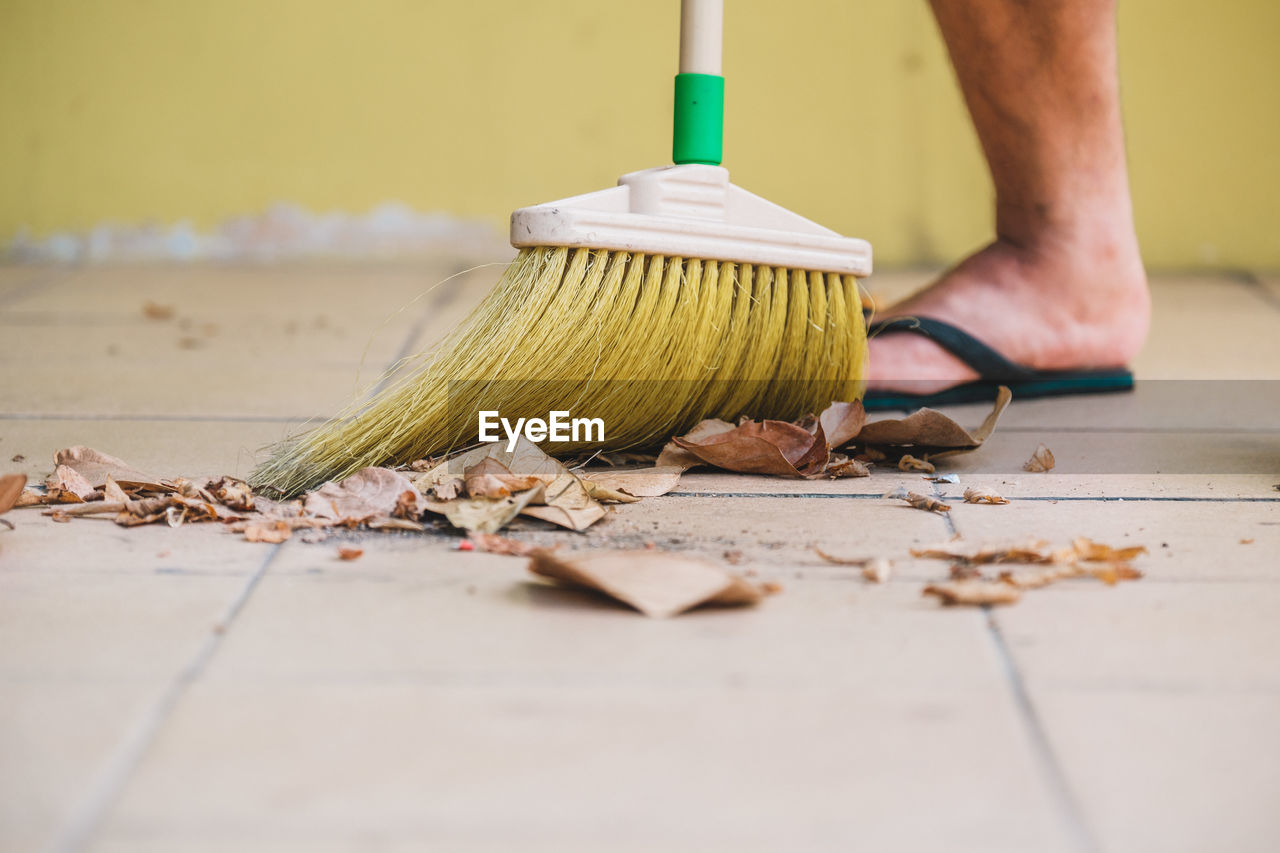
[{"x": 698, "y": 135}]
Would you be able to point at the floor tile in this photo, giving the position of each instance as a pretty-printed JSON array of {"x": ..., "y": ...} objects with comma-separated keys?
[
  {"x": 56, "y": 739},
  {"x": 1205, "y": 327},
  {"x": 78, "y": 626},
  {"x": 1157, "y": 637},
  {"x": 697, "y": 768},
  {"x": 164, "y": 448},
  {"x": 414, "y": 614},
  {"x": 1187, "y": 540},
  {"x": 102, "y": 548},
  {"x": 1160, "y": 772}
]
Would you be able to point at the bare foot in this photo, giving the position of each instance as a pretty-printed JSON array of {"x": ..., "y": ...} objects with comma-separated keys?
[{"x": 1065, "y": 304}]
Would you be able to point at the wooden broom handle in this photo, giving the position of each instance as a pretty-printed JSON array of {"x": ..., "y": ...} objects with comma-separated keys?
[{"x": 701, "y": 36}]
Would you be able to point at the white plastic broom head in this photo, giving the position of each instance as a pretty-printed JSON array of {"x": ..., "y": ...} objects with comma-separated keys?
[{"x": 689, "y": 211}]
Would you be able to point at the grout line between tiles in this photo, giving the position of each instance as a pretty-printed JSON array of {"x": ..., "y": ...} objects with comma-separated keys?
[
  {"x": 1064, "y": 798},
  {"x": 87, "y": 816},
  {"x": 1051, "y": 772}
]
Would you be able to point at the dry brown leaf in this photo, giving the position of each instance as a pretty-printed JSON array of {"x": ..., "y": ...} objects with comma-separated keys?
[
  {"x": 978, "y": 496},
  {"x": 448, "y": 490},
  {"x": 489, "y": 478},
  {"x": 407, "y": 505},
  {"x": 910, "y": 463},
  {"x": 1087, "y": 549},
  {"x": 156, "y": 311},
  {"x": 841, "y": 422},
  {"x": 347, "y": 553},
  {"x": 233, "y": 492},
  {"x": 656, "y": 583},
  {"x": 606, "y": 494},
  {"x": 1034, "y": 551},
  {"x": 273, "y": 532},
  {"x": 674, "y": 456},
  {"x": 1112, "y": 573},
  {"x": 526, "y": 459},
  {"x": 933, "y": 432},
  {"x": 931, "y": 428},
  {"x": 1042, "y": 460},
  {"x": 974, "y": 592},
  {"x": 11, "y": 489},
  {"x": 841, "y": 561},
  {"x": 368, "y": 493},
  {"x": 112, "y": 493},
  {"x": 96, "y": 466},
  {"x": 763, "y": 447},
  {"x": 146, "y": 506},
  {"x": 492, "y": 543},
  {"x": 483, "y": 515},
  {"x": 1242, "y": 541},
  {"x": 565, "y": 501},
  {"x": 561, "y": 497},
  {"x": 877, "y": 570},
  {"x": 963, "y": 572},
  {"x": 67, "y": 479},
  {"x": 1108, "y": 573},
  {"x": 30, "y": 497},
  {"x": 842, "y": 466},
  {"x": 641, "y": 482},
  {"x": 925, "y": 502}
]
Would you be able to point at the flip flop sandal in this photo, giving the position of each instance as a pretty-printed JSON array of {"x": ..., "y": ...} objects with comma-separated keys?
[{"x": 994, "y": 368}]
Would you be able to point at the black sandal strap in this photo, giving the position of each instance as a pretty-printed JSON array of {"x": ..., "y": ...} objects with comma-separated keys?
[{"x": 987, "y": 362}]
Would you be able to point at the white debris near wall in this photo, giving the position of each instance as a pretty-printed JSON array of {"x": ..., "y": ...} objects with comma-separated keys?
[{"x": 283, "y": 232}]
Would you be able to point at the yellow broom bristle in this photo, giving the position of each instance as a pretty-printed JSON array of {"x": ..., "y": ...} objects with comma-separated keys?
[{"x": 648, "y": 344}]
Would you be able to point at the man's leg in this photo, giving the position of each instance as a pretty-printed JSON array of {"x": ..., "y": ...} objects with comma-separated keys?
[{"x": 1062, "y": 285}]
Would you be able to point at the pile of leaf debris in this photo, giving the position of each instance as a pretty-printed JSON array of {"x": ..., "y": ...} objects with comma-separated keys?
[{"x": 483, "y": 489}]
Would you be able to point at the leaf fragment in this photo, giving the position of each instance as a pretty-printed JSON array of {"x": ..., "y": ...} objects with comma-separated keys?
[
  {"x": 841, "y": 422},
  {"x": 233, "y": 492},
  {"x": 1042, "y": 460},
  {"x": 112, "y": 492},
  {"x": 492, "y": 543},
  {"x": 348, "y": 553},
  {"x": 910, "y": 463},
  {"x": 368, "y": 493},
  {"x": 919, "y": 501},
  {"x": 657, "y": 583},
  {"x": 973, "y": 593},
  {"x": 67, "y": 479},
  {"x": 11, "y": 489},
  {"x": 489, "y": 478},
  {"x": 877, "y": 569},
  {"x": 932, "y": 431},
  {"x": 272, "y": 532},
  {"x": 771, "y": 447},
  {"x": 641, "y": 482},
  {"x": 974, "y": 495},
  {"x": 95, "y": 466},
  {"x": 841, "y": 465},
  {"x": 156, "y": 311}
]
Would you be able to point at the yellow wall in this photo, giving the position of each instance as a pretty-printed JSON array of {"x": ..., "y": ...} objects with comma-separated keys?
[{"x": 845, "y": 110}]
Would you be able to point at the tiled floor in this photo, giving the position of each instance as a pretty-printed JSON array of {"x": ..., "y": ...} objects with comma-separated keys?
[{"x": 183, "y": 690}]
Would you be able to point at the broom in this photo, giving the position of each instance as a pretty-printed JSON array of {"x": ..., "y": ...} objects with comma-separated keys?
[{"x": 672, "y": 297}]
